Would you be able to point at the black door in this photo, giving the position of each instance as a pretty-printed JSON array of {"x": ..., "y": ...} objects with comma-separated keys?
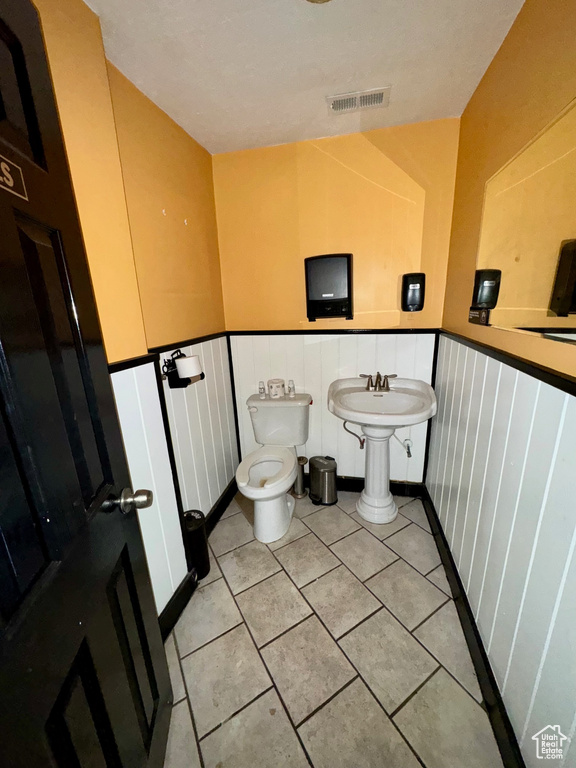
[{"x": 83, "y": 676}]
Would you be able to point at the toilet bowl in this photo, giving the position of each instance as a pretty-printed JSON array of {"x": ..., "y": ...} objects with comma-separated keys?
[{"x": 265, "y": 476}]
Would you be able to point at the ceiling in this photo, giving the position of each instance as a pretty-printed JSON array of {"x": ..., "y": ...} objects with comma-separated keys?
[{"x": 237, "y": 74}]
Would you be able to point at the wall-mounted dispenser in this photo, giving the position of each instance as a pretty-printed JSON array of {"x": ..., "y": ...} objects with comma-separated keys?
[
  {"x": 413, "y": 288},
  {"x": 563, "y": 299},
  {"x": 329, "y": 286},
  {"x": 486, "y": 288},
  {"x": 182, "y": 370}
]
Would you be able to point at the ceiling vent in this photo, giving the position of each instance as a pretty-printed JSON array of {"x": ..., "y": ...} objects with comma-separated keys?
[{"x": 353, "y": 102}]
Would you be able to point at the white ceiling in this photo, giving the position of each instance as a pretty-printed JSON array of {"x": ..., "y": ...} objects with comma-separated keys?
[{"x": 237, "y": 74}]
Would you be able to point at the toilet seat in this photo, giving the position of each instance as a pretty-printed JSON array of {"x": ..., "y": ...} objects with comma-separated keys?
[{"x": 281, "y": 480}]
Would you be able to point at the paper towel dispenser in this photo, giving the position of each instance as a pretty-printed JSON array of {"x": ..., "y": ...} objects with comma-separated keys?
[{"x": 329, "y": 286}]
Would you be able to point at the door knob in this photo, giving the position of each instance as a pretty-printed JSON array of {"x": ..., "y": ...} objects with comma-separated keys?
[{"x": 129, "y": 500}]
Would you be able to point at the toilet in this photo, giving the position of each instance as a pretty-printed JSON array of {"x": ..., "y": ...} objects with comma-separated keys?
[{"x": 267, "y": 474}]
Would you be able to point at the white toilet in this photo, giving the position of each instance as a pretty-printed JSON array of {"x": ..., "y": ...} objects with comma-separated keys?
[{"x": 267, "y": 474}]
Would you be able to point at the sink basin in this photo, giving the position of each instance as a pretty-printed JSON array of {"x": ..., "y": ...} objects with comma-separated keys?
[{"x": 410, "y": 401}]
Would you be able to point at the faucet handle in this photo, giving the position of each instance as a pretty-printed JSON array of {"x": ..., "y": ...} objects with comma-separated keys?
[{"x": 369, "y": 383}]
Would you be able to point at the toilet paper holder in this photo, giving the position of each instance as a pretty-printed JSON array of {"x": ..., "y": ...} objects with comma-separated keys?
[{"x": 181, "y": 370}]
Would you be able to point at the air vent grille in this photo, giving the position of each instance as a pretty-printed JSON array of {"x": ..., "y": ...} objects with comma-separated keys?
[{"x": 352, "y": 102}]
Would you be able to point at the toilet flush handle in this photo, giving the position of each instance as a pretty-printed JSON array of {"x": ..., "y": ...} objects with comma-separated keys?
[{"x": 252, "y": 408}]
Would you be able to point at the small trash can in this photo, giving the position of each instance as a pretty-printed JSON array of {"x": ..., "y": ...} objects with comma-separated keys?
[
  {"x": 323, "y": 480},
  {"x": 196, "y": 543}
]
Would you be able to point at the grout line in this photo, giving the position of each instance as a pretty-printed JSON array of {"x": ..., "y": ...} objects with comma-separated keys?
[
  {"x": 284, "y": 632},
  {"x": 348, "y": 631},
  {"x": 414, "y": 692},
  {"x": 429, "y": 617},
  {"x": 316, "y": 578},
  {"x": 328, "y": 700},
  {"x": 211, "y": 641},
  {"x": 336, "y": 641},
  {"x": 405, "y": 741},
  {"x": 188, "y": 702},
  {"x": 373, "y": 576},
  {"x": 237, "y": 712},
  {"x": 283, "y": 703},
  {"x": 256, "y": 583}
]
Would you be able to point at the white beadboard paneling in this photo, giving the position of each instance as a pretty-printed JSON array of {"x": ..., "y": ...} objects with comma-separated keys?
[
  {"x": 548, "y": 558},
  {"x": 314, "y": 361},
  {"x": 512, "y": 528},
  {"x": 202, "y": 428},
  {"x": 510, "y": 481},
  {"x": 499, "y": 435},
  {"x": 138, "y": 405},
  {"x": 525, "y": 521},
  {"x": 490, "y": 387}
]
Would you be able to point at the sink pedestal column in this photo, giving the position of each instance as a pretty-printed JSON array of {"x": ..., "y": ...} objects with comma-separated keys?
[{"x": 376, "y": 504}]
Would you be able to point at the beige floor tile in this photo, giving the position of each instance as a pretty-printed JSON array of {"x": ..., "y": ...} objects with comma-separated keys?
[
  {"x": 401, "y": 501},
  {"x": 416, "y": 547},
  {"x": 347, "y": 501},
  {"x": 446, "y": 727},
  {"x": 307, "y": 666},
  {"x": 363, "y": 554},
  {"x": 178, "y": 689},
  {"x": 296, "y": 531},
  {"x": 247, "y": 565},
  {"x": 306, "y": 559},
  {"x": 304, "y": 507},
  {"x": 352, "y": 731},
  {"x": 214, "y": 573},
  {"x": 260, "y": 736},
  {"x": 406, "y": 593},
  {"x": 382, "y": 531},
  {"x": 438, "y": 577},
  {"x": 181, "y": 750},
  {"x": 443, "y": 636},
  {"x": 391, "y": 662},
  {"x": 232, "y": 509},
  {"x": 340, "y": 600},
  {"x": 272, "y": 607},
  {"x": 222, "y": 677},
  {"x": 210, "y": 612},
  {"x": 331, "y": 524},
  {"x": 246, "y": 505},
  {"x": 230, "y": 533},
  {"x": 414, "y": 511}
]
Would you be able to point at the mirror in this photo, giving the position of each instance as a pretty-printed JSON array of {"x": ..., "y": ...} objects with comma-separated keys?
[{"x": 528, "y": 221}]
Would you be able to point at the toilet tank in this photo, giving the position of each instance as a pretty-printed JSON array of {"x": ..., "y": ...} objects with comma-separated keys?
[{"x": 280, "y": 421}]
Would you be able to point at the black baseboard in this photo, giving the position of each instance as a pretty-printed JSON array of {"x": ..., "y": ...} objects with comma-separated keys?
[
  {"x": 176, "y": 604},
  {"x": 398, "y": 488},
  {"x": 218, "y": 509},
  {"x": 501, "y": 725}
]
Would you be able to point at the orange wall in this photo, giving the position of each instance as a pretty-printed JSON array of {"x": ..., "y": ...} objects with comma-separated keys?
[
  {"x": 386, "y": 196},
  {"x": 531, "y": 79},
  {"x": 78, "y": 66},
  {"x": 170, "y": 197}
]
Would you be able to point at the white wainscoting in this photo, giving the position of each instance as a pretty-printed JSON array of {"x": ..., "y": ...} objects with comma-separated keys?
[
  {"x": 202, "y": 427},
  {"x": 138, "y": 404},
  {"x": 314, "y": 361},
  {"x": 502, "y": 476}
]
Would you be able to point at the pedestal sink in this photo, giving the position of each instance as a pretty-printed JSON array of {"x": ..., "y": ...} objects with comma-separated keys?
[{"x": 379, "y": 414}]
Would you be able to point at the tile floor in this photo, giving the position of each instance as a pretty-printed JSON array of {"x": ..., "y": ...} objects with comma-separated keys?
[{"x": 338, "y": 646}]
